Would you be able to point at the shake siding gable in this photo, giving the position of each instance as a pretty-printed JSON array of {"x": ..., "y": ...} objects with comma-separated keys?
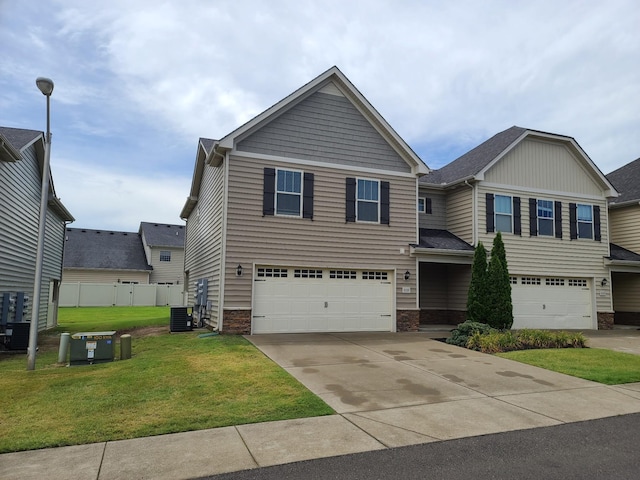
[
  {"x": 325, "y": 242},
  {"x": 325, "y": 128},
  {"x": 204, "y": 238}
]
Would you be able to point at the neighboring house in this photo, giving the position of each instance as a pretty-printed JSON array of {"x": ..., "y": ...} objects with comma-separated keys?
[
  {"x": 164, "y": 250},
  {"x": 624, "y": 222},
  {"x": 21, "y": 170},
  {"x": 301, "y": 219},
  {"x": 102, "y": 256},
  {"x": 549, "y": 201}
]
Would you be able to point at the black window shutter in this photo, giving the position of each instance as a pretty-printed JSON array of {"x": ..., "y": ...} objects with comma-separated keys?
[
  {"x": 351, "y": 200},
  {"x": 596, "y": 224},
  {"x": 384, "y": 203},
  {"x": 517, "y": 217},
  {"x": 307, "y": 200},
  {"x": 557, "y": 206},
  {"x": 573, "y": 221},
  {"x": 490, "y": 220},
  {"x": 427, "y": 206},
  {"x": 533, "y": 217},
  {"x": 269, "y": 190}
]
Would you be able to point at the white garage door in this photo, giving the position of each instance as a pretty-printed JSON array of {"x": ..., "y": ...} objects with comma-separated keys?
[
  {"x": 288, "y": 300},
  {"x": 554, "y": 303}
]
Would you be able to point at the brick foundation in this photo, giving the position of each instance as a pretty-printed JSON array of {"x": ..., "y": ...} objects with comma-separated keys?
[
  {"x": 626, "y": 318},
  {"x": 407, "y": 320},
  {"x": 605, "y": 320},
  {"x": 440, "y": 317},
  {"x": 236, "y": 322}
]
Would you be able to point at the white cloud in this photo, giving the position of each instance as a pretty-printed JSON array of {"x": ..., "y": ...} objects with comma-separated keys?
[{"x": 446, "y": 75}]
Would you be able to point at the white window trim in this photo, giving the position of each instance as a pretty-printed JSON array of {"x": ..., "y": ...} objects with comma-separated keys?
[
  {"x": 578, "y": 222},
  {"x": 424, "y": 205},
  {"x": 496, "y": 213},
  {"x": 301, "y": 194},
  {"x": 552, "y": 218},
  {"x": 368, "y": 201}
]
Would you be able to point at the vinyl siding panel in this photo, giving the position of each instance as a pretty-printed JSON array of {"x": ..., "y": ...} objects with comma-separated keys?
[
  {"x": 325, "y": 128},
  {"x": 204, "y": 242},
  {"x": 626, "y": 289},
  {"x": 167, "y": 272},
  {"x": 325, "y": 241},
  {"x": 103, "y": 276},
  {"x": 20, "y": 185},
  {"x": 438, "y": 218},
  {"x": 543, "y": 165},
  {"x": 550, "y": 256},
  {"x": 460, "y": 213},
  {"x": 625, "y": 227},
  {"x": 444, "y": 287}
]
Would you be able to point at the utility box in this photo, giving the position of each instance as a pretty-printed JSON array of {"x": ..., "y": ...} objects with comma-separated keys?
[
  {"x": 181, "y": 319},
  {"x": 92, "y": 347}
]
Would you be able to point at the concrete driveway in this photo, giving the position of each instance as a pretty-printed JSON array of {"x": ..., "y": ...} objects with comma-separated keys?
[{"x": 405, "y": 388}]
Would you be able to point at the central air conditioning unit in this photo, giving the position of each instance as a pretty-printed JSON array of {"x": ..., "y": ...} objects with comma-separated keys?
[{"x": 181, "y": 319}]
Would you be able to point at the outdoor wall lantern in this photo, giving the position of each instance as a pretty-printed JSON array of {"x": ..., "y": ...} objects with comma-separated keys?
[
  {"x": 239, "y": 271},
  {"x": 604, "y": 282},
  {"x": 407, "y": 274}
]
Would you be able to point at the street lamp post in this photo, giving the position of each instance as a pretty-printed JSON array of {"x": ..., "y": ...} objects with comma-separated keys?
[{"x": 46, "y": 87}]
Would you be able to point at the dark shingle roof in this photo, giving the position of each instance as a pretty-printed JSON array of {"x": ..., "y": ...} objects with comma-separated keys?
[
  {"x": 626, "y": 181},
  {"x": 619, "y": 253},
  {"x": 19, "y": 137},
  {"x": 474, "y": 160},
  {"x": 162, "y": 235},
  {"x": 85, "y": 248},
  {"x": 442, "y": 239}
]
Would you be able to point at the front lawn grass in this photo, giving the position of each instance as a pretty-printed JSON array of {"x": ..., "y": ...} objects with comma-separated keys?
[
  {"x": 599, "y": 365},
  {"x": 172, "y": 383},
  {"x": 99, "y": 319}
]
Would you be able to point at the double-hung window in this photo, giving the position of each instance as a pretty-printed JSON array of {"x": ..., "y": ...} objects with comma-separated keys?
[
  {"x": 288, "y": 192},
  {"x": 545, "y": 217},
  {"x": 367, "y": 200},
  {"x": 503, "y": 213},
  {"x": 585, "y": 221},
  {"x": 424, "y": 205}
]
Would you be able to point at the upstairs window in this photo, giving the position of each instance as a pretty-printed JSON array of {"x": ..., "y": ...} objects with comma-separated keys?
[
  {"x": 165, "y": 255},
  {"x": 424, "y": 205},
  {"x": 584, "y": 221},
  {"x": 288, "y": 192},
  {"x": 503, "y": 213},
  {"x": 368, "y": 199},
  {"x": 545, "y": 217}
]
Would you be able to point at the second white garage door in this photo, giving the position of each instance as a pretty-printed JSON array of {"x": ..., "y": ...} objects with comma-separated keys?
[
  {"x": 291, "y": 300},
  {"x": 553, "y": 303}
]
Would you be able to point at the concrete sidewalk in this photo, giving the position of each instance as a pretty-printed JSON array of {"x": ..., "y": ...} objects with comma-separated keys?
[{"x": 389, "y": 390}]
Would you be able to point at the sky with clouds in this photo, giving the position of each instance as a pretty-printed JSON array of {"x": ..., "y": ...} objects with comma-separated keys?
[{"x": 137, "y": 82}]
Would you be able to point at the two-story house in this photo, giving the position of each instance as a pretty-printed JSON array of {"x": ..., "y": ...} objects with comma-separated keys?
[
  {"x": 624, "y": 221},
  {"x": 316, "y": 216},
  {"x": 549, "y": 200},
  {"x": 21, "y": 170},
  {"x": 164, "y": 248},
  {"x": 301, "y": 219}
]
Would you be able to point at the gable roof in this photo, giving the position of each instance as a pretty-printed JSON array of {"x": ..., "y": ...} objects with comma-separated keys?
[
  {"x": 162, "y": 234},
  {"x": 19, "y": 138},
  {"x": 472, "y": 165},
  {"x": 335, "y": 76},
  {"x": 100, "y": 249},
  {"x": 626, "y": 180}
]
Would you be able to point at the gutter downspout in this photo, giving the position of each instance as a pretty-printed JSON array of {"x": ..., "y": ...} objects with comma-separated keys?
[
  {"x": 474, "y": 214},
  {"x": 223, "y": 246}
]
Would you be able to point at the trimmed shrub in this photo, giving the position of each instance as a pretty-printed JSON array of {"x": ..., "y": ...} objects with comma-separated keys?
[
  {"x": 498, "y": 300},
  {"x": 460, "y": 335},
  {"x": 477, "y": 296}
]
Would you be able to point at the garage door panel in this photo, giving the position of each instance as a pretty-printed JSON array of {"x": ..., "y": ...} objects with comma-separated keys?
[
  {"x": 295, "y": 304},
  {"x": 562, "y": 304}
]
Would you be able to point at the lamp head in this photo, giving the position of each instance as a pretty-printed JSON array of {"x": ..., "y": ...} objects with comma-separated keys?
[{"x": 45, "y": 85}]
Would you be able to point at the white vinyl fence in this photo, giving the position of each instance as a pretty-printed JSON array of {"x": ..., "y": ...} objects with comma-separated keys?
[{"x": 119, "y": 295}]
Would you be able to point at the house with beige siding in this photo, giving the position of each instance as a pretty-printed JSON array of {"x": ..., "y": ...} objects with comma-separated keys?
[
  {"x": 21, "y": 170},
  {"x": 549, "y": 200},
  {"x": 164, "y": 249},
  {"x": 301, "y": 219},
  {"x": 624, "y": 223}
]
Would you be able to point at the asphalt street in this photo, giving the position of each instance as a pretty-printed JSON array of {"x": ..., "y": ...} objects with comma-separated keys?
[{"x": 596, "y": 449}]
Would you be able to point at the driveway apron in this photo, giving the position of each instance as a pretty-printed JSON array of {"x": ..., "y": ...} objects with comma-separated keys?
[{"x": 405, "y": 388}]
